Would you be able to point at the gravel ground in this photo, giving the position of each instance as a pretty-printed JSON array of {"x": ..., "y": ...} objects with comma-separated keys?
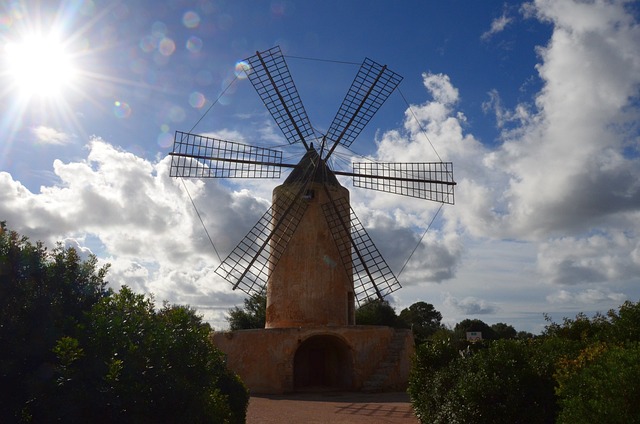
[{"x": 331, "y": 407}]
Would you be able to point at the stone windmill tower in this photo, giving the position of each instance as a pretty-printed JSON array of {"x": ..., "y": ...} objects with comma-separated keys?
[{"x": 309, "y": 250}]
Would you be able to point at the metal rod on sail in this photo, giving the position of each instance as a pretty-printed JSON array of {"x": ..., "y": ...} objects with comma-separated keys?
[
  {"x": 353, "y": 116},
  {"x": 284, "y": 105}
]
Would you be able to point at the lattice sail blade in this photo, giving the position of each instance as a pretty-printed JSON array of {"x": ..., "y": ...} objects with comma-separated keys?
[
  {"x": 372, "y": 85},
  {"x": 372, "y": 277},
  {"x": 426, "y": 180},
  {"x": 248, "y": 265},
  {"x": 271, "y": 78},
  {"x": 206, "y": 157}
]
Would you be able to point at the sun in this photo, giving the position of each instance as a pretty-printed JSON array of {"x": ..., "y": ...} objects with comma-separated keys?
[{"x": 39, "y": 65}]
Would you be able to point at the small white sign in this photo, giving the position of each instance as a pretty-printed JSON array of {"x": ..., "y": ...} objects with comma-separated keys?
[{"x": 473, "y": 336}]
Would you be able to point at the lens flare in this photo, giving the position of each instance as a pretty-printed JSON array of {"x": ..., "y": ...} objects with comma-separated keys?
[
  {"x": 164, "y": 140},
  {"x": 121, "y": 110},
  {"x": 194, "y": 44},
  {"x": 197, "y": 99},
  {"x": 243, "y": 69},
  {"x": 191, "y": 19},
  {"x": 167, "y": 46}
]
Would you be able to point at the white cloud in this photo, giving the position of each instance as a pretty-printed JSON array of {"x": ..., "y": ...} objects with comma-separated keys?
[
  {"x": 497, "y": 25},
  {"x": 48, "y": 135},
  {"x": 470, "y": 305},
  {"x": 143, "y": 222},
  {"x": 597, "y": 258},
  {"x": 587, "y": 297}
]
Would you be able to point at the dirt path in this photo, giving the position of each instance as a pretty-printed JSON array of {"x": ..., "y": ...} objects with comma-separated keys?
[{"x": 316, "y": 408}]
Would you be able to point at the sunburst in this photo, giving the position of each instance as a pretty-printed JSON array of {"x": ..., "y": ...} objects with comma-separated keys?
[{"x": 39, "y": 65}]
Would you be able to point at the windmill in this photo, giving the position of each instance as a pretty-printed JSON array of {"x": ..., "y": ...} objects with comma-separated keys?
[{"x": 309, "y": 250}]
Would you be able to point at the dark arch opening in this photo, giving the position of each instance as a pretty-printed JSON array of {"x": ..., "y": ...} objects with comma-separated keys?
[{"x": 322, "y": 362}]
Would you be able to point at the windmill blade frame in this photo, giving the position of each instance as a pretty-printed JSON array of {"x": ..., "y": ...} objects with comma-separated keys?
[
  {"x": 422, "y": 180},
  {"x": 372, "y": 277},
  {"x": 248, "y": 265},
  {"x": 271, "y": 78},
  {"x": 199, "y": 156},
  {"x": 370, "y": 88}
]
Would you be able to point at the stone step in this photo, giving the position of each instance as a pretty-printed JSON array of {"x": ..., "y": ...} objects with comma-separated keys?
[{"x": 394, "y": 350}]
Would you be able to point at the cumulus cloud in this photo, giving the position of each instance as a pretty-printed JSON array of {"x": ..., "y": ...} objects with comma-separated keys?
[
  {"x": 141, "y": 220},
  {"x": 601, "y": 257},
  {"x": 563, "y": 171},
  {"x": 470, "y": 305},
  {"x": 48, "y": 135},
  {"x": 586, "y": 297},
  {"x": 567, "y": 164}
]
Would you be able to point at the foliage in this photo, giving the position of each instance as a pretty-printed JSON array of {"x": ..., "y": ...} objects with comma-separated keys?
[
  {"x": 583, "y": 370},
  {"x": 600, "y": 385},
  {"x": 378, "y": 312},
  {"x": 498, "y": 383},
  {"x": 147, "y": 366},
  {"x": 44, "y": 296},
  {"x": 423, "y": 319},
  {"x": 253, "y": 315},
  {"x": 504, "y": 331},
  {"x": 73, "y": 351},
  {"x": 467, "y": 325}
]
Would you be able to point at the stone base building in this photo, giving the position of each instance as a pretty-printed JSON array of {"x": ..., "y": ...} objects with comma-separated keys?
[{"x": 350, "y": 358}]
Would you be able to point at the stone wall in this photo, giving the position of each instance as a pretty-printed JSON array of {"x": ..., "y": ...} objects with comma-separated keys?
[{"x": 281, "y": 360}]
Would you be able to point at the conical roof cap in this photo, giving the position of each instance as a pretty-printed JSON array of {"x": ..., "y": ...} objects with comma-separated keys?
[{"x": 306, "y": 170}]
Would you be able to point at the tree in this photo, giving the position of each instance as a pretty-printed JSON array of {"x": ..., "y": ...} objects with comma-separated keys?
[
  {"x": 504, "y": 331},
  {"x": 143, "y": 365},
  {"x": 504, "y": 382},
  {"x": 463, "y": 327},
  {"x": 601, "y": 385},
  {"x": 423, "y": 319},
  {"x": 377, "y": 312},
  {"x": 253, "y": 315},
  {"x": 73, "y": 351},
  {"x": 584, "y": 370},
  {"x": 44, "y": 296}
]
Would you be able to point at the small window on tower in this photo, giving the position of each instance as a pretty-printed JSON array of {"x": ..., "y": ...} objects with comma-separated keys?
[{"x": 308, "y": 195}]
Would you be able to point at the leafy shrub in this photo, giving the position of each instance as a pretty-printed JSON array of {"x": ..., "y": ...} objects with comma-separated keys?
[
  {"x": 501, "y": 382},
  {"x": 584, "y": 370},
  {"x": 73, "y": 351},
  {"x": 253, "y": 315},
  {"x": 601, "y": 385},
  {"x": 378, "y": 312}
]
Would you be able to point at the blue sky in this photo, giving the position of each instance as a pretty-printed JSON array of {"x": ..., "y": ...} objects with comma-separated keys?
[{"x": 536, "y": 103}]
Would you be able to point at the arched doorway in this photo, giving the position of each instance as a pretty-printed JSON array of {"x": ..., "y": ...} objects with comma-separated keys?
[{"x": 323, "y": 362}]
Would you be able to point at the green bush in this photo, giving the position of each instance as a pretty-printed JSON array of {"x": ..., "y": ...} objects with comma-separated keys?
[
  {"x": 584, "y": 370},
  {"x": 499, "y": 383},
  {"x": 72, "y": 351},
  {"x": 378, "y": 312},
  {"x": 601, "y": 385}
]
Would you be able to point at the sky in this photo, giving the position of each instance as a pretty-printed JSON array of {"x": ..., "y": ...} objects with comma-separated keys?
[{"x": 535, "y": 103}]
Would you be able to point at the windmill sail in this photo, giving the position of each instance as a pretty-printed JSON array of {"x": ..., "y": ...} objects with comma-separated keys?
[
  {"x": 424, "y": 180},
  {"x": 206, "y": 157},
  {"x": 270, "y": 76},
  {"x": 372, "y": 277},
  {"x": 372, "y": 85},
  {"x": 247, "y": 266}
]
